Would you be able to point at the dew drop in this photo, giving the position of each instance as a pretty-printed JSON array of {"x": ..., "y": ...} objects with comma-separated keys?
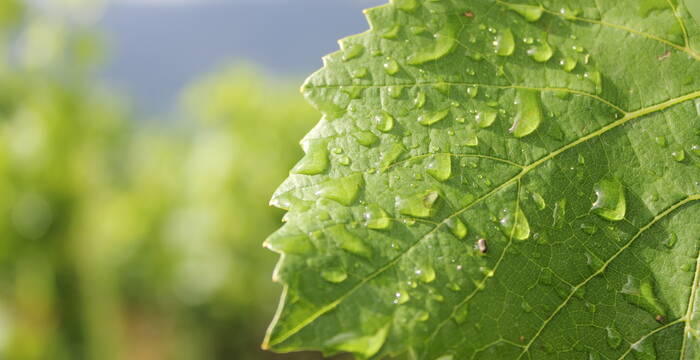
[
  {"x": 395, "y": 91},
  {"x": 440, "y": 167},
  {"x": 471, "y": 140},
  {"x": 529, "y": 113},
  {"x": 352, "y": 51},
  {"x": 660, "y": 140},
  {"x": 401, "y": 297},
  {"x": 515, "y": 224},
  {"x": 444, "y": 44},
  {"x": 695, "y": 149},
  {"x": 366, "y": 138},
  {"x": 614, "y": 338},
  {"x": 406, "y": 5},
  {"x": 391, "y": 154},
  {"x": 486, "y": 118},
  {"x": 539, "y": 201},
  {"x": 457, "y": 227},
  {"x": 429, "y": 119},
  {"x": 425, "y": 274},
  {"x": 334, "y": 275},
  {"x": 597, "y": 80},
  {"x": 526, "y": 306},
  {"x": 644, "y": 350},
  {"x": 528, "y": 12},
  {"x": 610, "y": 203},
  {"x": 376, "y": 218},
  {"x": 541, "y": 52},
  {"x": 473, "y": 91},
  {"x": 384, "y": 122},
  {"x": 420, "y": 205},
  {"x": 504, "y": 44},
  {"x": 461, "y": 314},
  {"x": 391, "y": 67},
  {"x": 589, "y": 229},
  {"x": 343, "y": 190},
  {"x": 315, "y": 160},
  {"x": 594, "y": 262},
  {"x": 671, "y": 241},
  {"x": 296, "y": 244},
  {"x": 678, "y": 153},
  {"x": 359, "y": 73},
  {"x": 419, "y": 100},
  {"x": 641, "y": 293},
  {"x": 392, "y": 32},
  {"x": 568, "y": 64}
]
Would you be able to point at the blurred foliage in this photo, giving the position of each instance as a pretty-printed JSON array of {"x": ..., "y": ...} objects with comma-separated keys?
[{"x": 129, "y": 239}]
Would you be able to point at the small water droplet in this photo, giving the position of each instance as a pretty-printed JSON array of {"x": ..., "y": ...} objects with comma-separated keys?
[
  {"x": 589, "y": 229},
  {"x": 593, "y": 262},
  {"x": 420, "y": 205},
  {"x": 461, "y": 314},
  {"x": 429, "y": 119},
  {"x": 614, "y": 338},
  {"x": 660, "y": 140},
  {"x": 644, "y": 349},
  {"x": 515, "y": 224},
  {"x": 677, "y": 153},
  {"x": 486, "y": 118},
  {"x": 376, "y": 218},
  {"x": 541, "y": 52},
  {"x": 391, "y": 154},
  {"x": 504, "y": 44},
  {"x": 526, "y": 306},
  {"x": 395, "y": 91},
  {"x": 471, "y": 140},
  {"x": 392, "y": 32},
  {"x": 295, "y": 244},
  {"x": 444, "y": 43},
  {"x": 405, "y": 5},
  {"x": 568, "y": 64},
  {"x": 419, "y": 100},
  {"x": 334, "y": 275},
  {"x": 610, "y": 202},
  {"x": 473, "y": 91},
  {"x": 401, "y": 297},
  {"x": 352, "y": 51},
  {"x": 529, "y": 113},
  {"x": 641, "y": 293},
  {"x": 539, "y": 201},
  {"x": 440, "y": 167},
  {"x": 425, "y": 274},
  {"x": 671, "y": 241},
  {"x": 359, "y": 72},
  {"x": 343, "y": 190},
  {"x": 315, "y": 160}
]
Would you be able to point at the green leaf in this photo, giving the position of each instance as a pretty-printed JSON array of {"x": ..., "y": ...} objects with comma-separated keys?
[{"x": 504, "y": 181}]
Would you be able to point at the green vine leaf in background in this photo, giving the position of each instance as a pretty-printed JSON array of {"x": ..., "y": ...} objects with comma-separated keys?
[{"x": 499, "y": 180}]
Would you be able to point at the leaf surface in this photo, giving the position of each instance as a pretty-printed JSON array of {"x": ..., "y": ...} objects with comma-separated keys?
[{"x": 497, "y": 180}]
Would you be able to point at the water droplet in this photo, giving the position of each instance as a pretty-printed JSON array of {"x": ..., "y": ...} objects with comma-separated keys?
[
  {"x": 384, "y": 122},
  {"x": 429, "y": 119},
  {"x": 425, "y": 274},
  {"x": 589, "y": 229},
  {"x": 420, "y": 205},
  {"x": 395, "y": 91},
  {"x": 334, "y": 275},
  {"x": 471, "y": 140},
  {"x": 352, "y": 51},
  {"x": 695, "y": 149},
  {"x": 486, "y": 118},
  {"x": 393, "y": 153},
  {"x": 473, "y": 91},
  {"x": 644, "y": 349},
  {"x": 641, "y": 293},
  {"x": 440, "y": 167},
  {"x": 417, "y": 30},
  {"x": 461, "y": 314},
  {"x": 359, "y": 73},
  {"x": 401, "y": 297},
  {"x": 296, "y": 244},
  {"x": 405, "y": 5},
  {"x": 597, "y": 80},
  {"x": 594, "y": 262},
  {"x": 515, "y": 224},
  {"x": 422, "y": 316},
  {"x": 364, "y": 347},
  {"x": 419, "y": 100},
  {"x": 559, "y": 213},
  {"x": 660, "y": 140},
  {"x": 344, "y": 160},
  {"x": 610, "y": 202},
  {"x": 315, "y": 160},
  {"x": 614, "y": 338},
  {"x": 529, "y": 12},
  {"x": 392, "y": 32},
  {"x": 671, "y": 241},
  {"x": 541, "y": 52},
  {"x": 526, "y": 306},
  {"x": 504, "y": 43},
  {"x": 677, "y": 153},
  {"x": 365, "y": 138},
  {"x": 568, "y": 64},
  {"x": 391, "y": 67},
  {"x": 376, "y": 218},
  {"x": 343, "y": 190},
  {"x": 444, "y": 44},
  {"x": 457, "y": 227},
  {"x": 539, "y": 201},
  {"x": 529, "y": 114}
]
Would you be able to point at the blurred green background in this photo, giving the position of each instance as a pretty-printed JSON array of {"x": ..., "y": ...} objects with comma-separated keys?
[{"x": 125, "y": 237}]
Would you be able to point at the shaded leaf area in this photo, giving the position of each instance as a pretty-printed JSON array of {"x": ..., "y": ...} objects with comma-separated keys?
[{"x": 496, "y": 180}]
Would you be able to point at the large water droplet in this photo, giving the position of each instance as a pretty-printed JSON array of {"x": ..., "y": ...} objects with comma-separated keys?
[
  {"x": 515, "y": 224},
  {"x": 504, "y": 44},
  {"x": 444, "y": 44},
  {"x": 401, "y": 297},
  {"x": 376, "y": 218},
  {"x": 334, "y": 275},
  {"x": 315, "y": 160},
  {"x": 348, "y": 241},
  {"x": 425, "y": 274},
  {"x": 391, "y": 154},
  {"x": 429, "y": 119},
  {"x": 384, "y": 122},
  {"x": 614, "y": 338},
  {"x": 529, "y": 12},
  {"x": 610, "y": 202},
  {"x": 296, "y": 244},
  {"x": 352, "y": 51},
  {"x": 440, "y": 167},
  {"x": 391, "y": 67},
  {"x": 486, "y": 118},
  {"x": 420, "y": 205},
  {"x": 363, "y": 347},
  {"x": 343, "y": 190},
  {"x": 457, "y": 227},
  {"x": 568, "y": 64},
  {"x": 392, "y": 32},
  {"x": 541, "y": 52},
  {"x": 539, "y": 201},
  {"x": 365, "y": 138},
  {"x": 529, "y": 114},
  {"x": 641, "y": 293}
]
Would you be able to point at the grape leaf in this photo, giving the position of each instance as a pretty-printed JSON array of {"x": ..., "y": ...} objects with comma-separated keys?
[{"x": 499, "y": 180}]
